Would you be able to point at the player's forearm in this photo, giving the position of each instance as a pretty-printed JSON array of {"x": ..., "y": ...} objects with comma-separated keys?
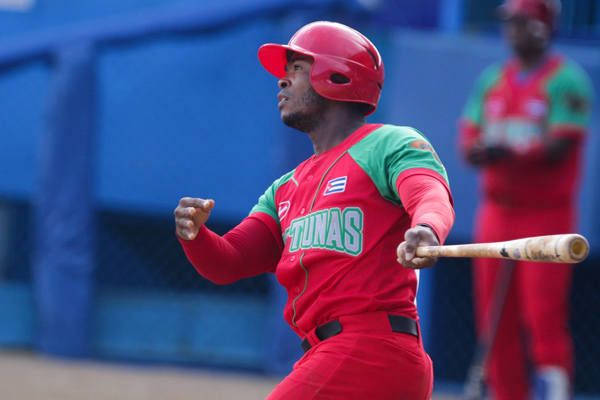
[
  {"x": 247, "y": 250},
  {"x": 428, "y": 201},
  {"x": 439, "y": 217},
  {"x": 213, "y": 257}
]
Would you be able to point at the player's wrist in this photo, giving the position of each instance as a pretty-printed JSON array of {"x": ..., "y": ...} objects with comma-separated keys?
[
  {"x": 430, "y": 227},
  {"x": 425, "y": 225}
]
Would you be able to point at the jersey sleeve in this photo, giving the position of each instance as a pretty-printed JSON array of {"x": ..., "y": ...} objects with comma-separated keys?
[
  {"x": 571, "y": 94},
  {"x": 267, "y": 202},
  {"x": 389, "y": 151},
  {"x": 415, "y": 152}
]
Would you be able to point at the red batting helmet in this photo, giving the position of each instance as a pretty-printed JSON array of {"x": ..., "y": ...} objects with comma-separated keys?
[
  {"x": 546, "y": 11},
  {"x": 337, "y": 50}
]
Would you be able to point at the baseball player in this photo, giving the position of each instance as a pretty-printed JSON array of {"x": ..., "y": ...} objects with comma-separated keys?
[
  {"x": 524, "y": 126},
  {"x": 330, "y": 228}
]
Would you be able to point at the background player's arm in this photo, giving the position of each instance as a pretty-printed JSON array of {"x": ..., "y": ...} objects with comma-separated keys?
[
  {"x": 550, "y": 149},
  {"x": 474, "y": 151},
  {"x": 569, "y": 117}
]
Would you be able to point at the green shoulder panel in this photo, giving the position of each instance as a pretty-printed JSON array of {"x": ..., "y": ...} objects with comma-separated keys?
[
  {"x": 473, "y": 110},
  {"x": 572, "y": 91},
  {"x": 266, "y": 202},
  {"x": 390, "y": 150}
]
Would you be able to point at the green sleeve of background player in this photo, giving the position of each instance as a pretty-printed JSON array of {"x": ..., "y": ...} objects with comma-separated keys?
[
  {"x": 473, "y": 110},
  {"x": 572, "y": 94}
]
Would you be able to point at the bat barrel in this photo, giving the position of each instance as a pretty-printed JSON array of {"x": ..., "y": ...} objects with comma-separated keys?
[
  {"x": 579, "y": 248},
  {"x": 566, "y": 248}
]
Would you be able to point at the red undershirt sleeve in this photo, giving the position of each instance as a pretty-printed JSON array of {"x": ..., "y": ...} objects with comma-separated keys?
[
  {"x": 251, "y": 248},
  {"x": 426, "y": 197}
]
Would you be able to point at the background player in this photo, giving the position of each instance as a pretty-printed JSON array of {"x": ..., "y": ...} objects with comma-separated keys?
[
  {"x": 330, "y": 228},
  {"x": 524, "y": 125}
]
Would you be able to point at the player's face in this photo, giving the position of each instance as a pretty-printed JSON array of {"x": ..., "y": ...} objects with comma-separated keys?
[
  {"x": 300, "y": 105},
  {"x": 526, "y": 36}
]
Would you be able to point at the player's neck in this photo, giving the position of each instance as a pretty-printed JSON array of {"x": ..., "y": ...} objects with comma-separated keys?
[
  {"x": 340, "y": 120},
  {"x": 531, "y": 60},
  {"x": 332, "y": 133}
]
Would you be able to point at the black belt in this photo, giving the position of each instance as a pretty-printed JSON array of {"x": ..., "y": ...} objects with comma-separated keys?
[{"x": 398, "y": 323}]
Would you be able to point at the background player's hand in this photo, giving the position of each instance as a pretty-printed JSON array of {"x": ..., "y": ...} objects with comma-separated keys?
[
  {"x": 479, "y": 155},
  {"x": 417, "y": 236},
  {"x": 190, "y": 215}
]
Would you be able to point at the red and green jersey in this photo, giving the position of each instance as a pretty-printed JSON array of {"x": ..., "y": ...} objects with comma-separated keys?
[
  {"x": 341, "y": 219},
  {"x": 518, "y": 112}
]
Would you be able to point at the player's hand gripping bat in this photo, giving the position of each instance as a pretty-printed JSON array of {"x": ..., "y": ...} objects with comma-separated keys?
[{"x": 567, "y": 248}]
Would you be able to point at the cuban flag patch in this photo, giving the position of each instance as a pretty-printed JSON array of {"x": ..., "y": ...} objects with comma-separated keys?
[{"x": 336, "y": 185}]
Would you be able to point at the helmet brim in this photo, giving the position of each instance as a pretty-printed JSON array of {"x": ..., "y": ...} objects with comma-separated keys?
[
  {"x": 527, "y": 11},
  {"x": 505, "y": 13},
  {"x": 274, "y": 57}
]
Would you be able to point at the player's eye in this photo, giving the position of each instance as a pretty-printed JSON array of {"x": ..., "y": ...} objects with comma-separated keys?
[{"x": 293, "y": 67}]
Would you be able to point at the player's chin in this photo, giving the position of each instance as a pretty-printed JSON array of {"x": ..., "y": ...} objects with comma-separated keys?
[{"x": 287, "y": 118}]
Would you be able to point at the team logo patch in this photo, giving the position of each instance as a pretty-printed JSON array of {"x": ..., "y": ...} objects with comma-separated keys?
[
  {"x": 423, "y": 145},
  {"x": 283, "y": 209},
  {"x": 336, "y": 185},
  {"x": 577, "y": 104}
]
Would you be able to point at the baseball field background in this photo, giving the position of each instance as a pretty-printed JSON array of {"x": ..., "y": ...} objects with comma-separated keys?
[
  {"x": 28, "y": 377},
  {"x": 112, "y": 111}
]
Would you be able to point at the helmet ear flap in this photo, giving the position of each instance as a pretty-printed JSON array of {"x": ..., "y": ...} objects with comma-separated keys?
[{"x": 339, "y": 79}]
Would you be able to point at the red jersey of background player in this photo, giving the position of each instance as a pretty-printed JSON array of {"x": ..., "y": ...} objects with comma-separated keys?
[{"x": 515, "y": 112}]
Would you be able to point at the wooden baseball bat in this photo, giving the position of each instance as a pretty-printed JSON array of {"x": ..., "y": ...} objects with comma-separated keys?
[{"x": 568, "y": 248}]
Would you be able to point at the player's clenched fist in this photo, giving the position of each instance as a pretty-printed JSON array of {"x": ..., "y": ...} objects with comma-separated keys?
[
  {"x": 414, "y": 237},
  {"x": 190, "y": 215}
]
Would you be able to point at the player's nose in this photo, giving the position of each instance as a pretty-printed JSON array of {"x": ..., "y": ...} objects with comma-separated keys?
[{"x": 283, "y": 83}]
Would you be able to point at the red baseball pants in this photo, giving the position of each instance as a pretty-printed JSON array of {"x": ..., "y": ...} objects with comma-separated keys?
[{"x": 365, "y": 361}]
